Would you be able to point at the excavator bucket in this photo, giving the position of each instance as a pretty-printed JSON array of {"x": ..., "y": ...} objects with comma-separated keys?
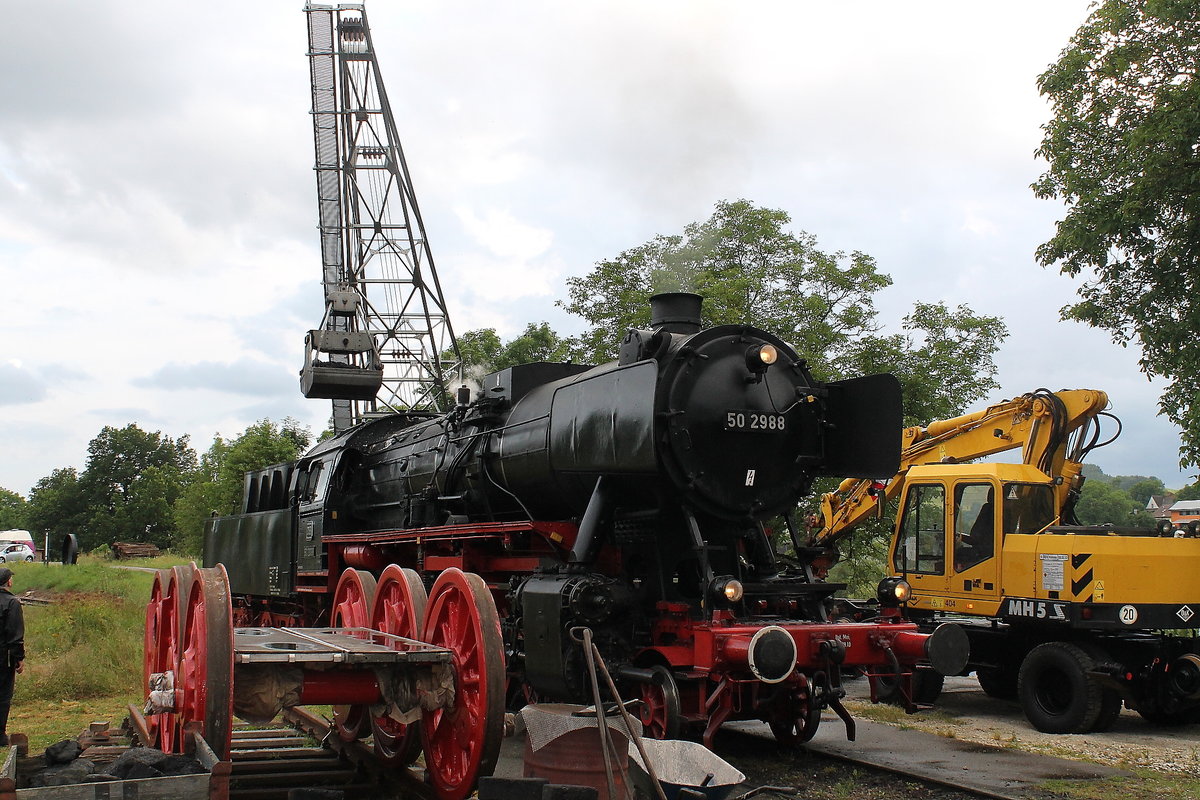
[{"x": 864, "y": 437}]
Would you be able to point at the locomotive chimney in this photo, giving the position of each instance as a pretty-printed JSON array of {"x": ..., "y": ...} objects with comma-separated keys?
[{"x": 676, "y": 312}]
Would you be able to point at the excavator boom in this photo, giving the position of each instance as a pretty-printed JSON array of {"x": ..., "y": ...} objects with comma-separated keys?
[{"x": 1040, "y": 422}]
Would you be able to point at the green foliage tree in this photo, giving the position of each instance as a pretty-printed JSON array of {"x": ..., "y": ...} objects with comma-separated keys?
[
  {"x": 480, "y": 349},
  {"x": 1102, "y": 503},
  {"x": 56, "y": 506},
  {"x": 483, "y": 349},
  {"x": 944, "y": 360},
  {"x": 1189, "y": 492},
  {"x": 129, "y": 485},
  {"x": 1143, "y": 490},
  {"x": 750, "y": 268},
  {"x": 12, "y": 510},
  {"x": 216, "y": 486},
  {"x": 1122, "y": 152}
]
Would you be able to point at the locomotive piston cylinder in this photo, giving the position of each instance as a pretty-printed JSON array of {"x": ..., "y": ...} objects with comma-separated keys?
[{"x": 770, "y": 653}]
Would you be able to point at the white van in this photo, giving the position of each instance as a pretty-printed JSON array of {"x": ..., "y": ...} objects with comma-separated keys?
[{"x": 18, "y": 536}]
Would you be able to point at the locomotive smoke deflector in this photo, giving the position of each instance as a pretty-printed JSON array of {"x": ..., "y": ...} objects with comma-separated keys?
[{"x": 863, "y": 427}]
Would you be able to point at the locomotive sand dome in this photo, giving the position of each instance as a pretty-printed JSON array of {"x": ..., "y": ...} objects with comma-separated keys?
[{"x": 631, "y": 498}]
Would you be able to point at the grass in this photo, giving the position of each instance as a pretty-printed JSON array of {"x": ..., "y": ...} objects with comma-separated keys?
[
  {"x": 1145, "y": 784},
  {"x": 84, "y": 651}
]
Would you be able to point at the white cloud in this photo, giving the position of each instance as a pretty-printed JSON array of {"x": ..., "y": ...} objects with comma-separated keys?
[{"x": 503, "y": 235}]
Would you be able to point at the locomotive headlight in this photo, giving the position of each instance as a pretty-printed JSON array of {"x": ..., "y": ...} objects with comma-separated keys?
[
  {"x": 726, "y": 590},
  {"x": 761, "y": 356},
  {"x": 893, "y": 591}
]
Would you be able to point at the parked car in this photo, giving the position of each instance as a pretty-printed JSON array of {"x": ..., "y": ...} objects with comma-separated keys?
[
  {"x": 18, "y": 536},
  {"x": 16, "y": 552}
]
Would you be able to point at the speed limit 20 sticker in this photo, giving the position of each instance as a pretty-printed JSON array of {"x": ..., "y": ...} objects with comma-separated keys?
[{"x": 1128, "y": 614}]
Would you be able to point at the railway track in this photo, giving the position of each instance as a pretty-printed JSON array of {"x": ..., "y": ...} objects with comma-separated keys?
[
  {"x": 300, "y": 751},
  {"x": 267, "y": 762}
]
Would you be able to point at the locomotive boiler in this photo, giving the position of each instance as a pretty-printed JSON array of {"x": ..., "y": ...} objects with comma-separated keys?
[{"x": 637, "y": 499}]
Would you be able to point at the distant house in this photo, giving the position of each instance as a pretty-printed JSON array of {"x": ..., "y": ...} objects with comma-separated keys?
[
  {"x": 1185, "y": 511},
  {"x": 1159, "y": 506}
]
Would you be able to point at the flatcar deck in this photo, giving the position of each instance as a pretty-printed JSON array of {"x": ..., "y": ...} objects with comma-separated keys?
[{"x": 331, "y": 646}]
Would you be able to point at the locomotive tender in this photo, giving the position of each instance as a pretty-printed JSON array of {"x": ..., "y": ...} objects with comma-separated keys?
[{"x": 631, "y": 498}]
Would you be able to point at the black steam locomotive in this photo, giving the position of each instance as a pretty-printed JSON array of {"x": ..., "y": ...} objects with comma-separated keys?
[{"x": 630, "y": 498}]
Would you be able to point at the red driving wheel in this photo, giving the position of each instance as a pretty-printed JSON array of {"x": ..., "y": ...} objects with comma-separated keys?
[
  {"x": 170, "y": 627},
  {"x": 462, "y": 742},
  {"x": 660, "y": 712},
  {"x": 399, "y": 609},
  {"x": 154, "y": 645},
  {"x": 352, "y": 601},
  {"x": 205, "y": 678}
]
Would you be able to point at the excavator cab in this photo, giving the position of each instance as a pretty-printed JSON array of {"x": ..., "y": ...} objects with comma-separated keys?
[{"x": 952, "y": 527}]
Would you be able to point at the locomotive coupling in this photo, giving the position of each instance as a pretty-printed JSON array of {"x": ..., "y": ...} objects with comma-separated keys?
[
  {"x": 947, "y": 649},
  {"x": 770, "y": 653}
]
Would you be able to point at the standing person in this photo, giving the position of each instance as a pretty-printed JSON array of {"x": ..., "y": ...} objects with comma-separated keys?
[{"x": 12, "y": 647}]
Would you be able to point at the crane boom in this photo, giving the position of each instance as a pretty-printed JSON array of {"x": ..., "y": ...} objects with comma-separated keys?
[
  {"x": 385, "y": 343},
  {"x": 1041, "y": 423}
]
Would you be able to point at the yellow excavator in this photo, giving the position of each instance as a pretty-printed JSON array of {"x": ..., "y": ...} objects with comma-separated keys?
[{"x": 1072, "y": 620}]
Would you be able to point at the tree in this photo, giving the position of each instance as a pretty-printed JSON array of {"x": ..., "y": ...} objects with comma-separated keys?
[
  {"x": 748, "y": 268},
  {"x": 944, "y": 362},
  {"x": 1104, "y": 504},
  {"x": 1189, "y": 492},
  {"x": 483, "y": 350},
  {"x": 480, "y": 349},
  {"x": 200, "y": 499},
  {"x": 129, "y": 485},
  {"x": 1122, "y": 153},
  {"x": 537, "y": 343},
  {"x": 216, "y": 486},
  {"x": 56, "y": 505},
  {"x": 751, "y": 269},
  {"x": 12, "y": 510},
  {"x": 1143, "y": 490}
]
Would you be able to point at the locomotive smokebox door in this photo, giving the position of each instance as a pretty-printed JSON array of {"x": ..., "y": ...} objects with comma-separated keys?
[{"x": 866, "y": 423}]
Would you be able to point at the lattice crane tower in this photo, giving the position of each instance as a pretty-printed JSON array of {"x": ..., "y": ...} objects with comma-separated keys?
[{"x": 385, "y": 343}]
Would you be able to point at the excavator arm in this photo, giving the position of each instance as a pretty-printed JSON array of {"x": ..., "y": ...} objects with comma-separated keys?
[{"x": 1041, "y": 423}]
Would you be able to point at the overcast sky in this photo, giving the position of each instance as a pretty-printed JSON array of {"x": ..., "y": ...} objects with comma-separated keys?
[{"x": 158, "y": 242}]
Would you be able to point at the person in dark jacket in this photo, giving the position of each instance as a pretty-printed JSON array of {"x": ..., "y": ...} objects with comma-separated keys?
[{"x": 12, "y": 647}]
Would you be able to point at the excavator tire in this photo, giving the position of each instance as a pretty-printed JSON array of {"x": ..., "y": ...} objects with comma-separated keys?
[{"x": 1057, "y": 694}]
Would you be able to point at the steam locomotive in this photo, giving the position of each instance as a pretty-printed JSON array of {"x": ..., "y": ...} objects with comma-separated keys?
[{"x": 631, "y": 499}]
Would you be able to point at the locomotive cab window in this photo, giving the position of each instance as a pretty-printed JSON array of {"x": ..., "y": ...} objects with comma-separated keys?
[
  {"x": 1028, "y": 507},
  {"x": 974, "y": 525},
  {"x": 312, "y": 486},
  {"x": 922, "y": 544}
]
